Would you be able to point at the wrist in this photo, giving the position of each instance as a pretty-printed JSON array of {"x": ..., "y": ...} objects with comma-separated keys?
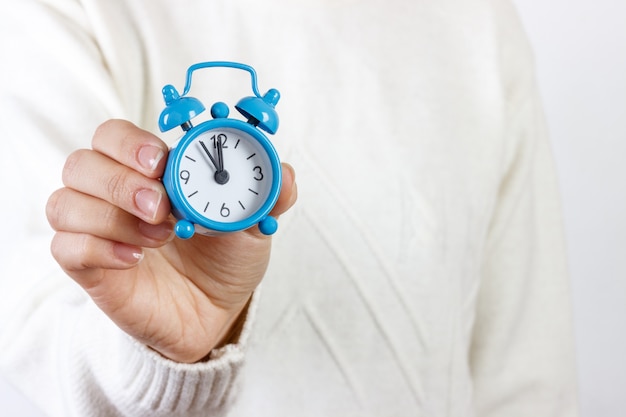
[
  {"x": 232, "y": 333},
  {"x": 223, "y": 327}
]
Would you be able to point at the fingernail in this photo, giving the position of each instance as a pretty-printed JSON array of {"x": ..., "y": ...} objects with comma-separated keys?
[
  {"x": 148, "y": 202},
  {"x": 149, "y": 157},
  {"x": 128, "y": 254},
  {"x": 161, "y": 231}
]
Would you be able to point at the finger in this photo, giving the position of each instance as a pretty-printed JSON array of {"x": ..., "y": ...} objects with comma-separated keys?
[
  {"x": 97, "y": 175},
  {"x": 286, "y": 199},
  {"x": 288, "y": 192},
  {"x": 71, "y": 211},
  {"x": 129, "y": 145},
  {"x": 78, "y": 252}
]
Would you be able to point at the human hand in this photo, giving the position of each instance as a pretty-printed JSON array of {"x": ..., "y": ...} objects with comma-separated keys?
[{"x": 114, "y": 237}]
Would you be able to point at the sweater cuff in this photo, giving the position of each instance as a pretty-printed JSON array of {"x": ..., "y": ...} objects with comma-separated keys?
[
  {"x": 156, "y": 385},
  {"x": 148, "y": 384}
]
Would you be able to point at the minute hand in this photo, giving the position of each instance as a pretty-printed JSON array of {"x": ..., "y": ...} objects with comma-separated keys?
[
  {"x": 221, "y": 176},
  {"x": 220, "y": 155},
  {"x": 209, "y": 155}
]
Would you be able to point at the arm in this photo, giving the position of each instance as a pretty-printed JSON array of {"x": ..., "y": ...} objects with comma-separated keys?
[
  {"x": 522, "y": 358},
  {"x": 121, "y": 349}
]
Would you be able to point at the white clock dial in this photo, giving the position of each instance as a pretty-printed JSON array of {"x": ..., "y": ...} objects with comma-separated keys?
[{"x": 226, "y": 186}]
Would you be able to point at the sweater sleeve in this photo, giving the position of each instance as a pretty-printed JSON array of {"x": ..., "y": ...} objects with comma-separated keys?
[
  {"x": 522, "y": 359},
  {"x": 55, "y": 345}
]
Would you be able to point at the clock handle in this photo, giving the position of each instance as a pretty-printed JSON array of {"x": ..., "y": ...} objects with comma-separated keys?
[
  {"x": 223, "y": 64},
  {"x": 258, "y": 109}
]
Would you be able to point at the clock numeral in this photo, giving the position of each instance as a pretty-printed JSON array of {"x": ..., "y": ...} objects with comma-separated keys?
[
  {"x": 184, "y": 175},
  {"x": 259, "y": 173},
  {"x": 224, "y": 211},
  {"x": 221, "y": 138}
]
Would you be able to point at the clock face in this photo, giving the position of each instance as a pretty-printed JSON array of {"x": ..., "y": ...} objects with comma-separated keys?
[{"x": 225, "y": 175}]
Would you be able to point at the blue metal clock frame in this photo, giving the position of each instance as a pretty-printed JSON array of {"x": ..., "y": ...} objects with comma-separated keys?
[
  {"x": 260, "y": 114},
  {"x": 180, "y": 206}
]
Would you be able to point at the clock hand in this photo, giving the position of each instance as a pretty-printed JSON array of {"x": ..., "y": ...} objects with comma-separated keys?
[
  {"x": 220, "y": 156},
  {"x": 209, "y": 155},
  {"x": 221, "y": 175}
]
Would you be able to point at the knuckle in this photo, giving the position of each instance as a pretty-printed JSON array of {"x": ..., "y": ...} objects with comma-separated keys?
[
  {"x": 72, "y": 166},
  {"x": 64, "y": 250},
  {"x": 56, "y": 209},
  {"x": 56, "y": 248},
  {"x": 77, "y": 254},
  {"x": 72, "y": 251},
  {"x": 108, "y": 128},
  {"x": 104, "y": 128},
  {"x": 110, "y": 219},
  {"x": 116, "y": 186},
  {"x": 86, "y": 251}
]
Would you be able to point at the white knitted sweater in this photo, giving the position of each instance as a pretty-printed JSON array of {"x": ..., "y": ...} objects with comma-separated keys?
[{"x": 421, "y": 272}]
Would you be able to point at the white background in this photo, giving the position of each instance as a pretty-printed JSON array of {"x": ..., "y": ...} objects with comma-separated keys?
[{"x": 580, "y": 48}]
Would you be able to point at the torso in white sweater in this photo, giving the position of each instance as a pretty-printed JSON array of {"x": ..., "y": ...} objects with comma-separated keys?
[{"x": 421, "y": 271}]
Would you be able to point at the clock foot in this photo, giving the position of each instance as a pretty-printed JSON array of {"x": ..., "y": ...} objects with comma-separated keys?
[
  {"x": 268, "y": 225},
  {"x": 184, "y": 229}
]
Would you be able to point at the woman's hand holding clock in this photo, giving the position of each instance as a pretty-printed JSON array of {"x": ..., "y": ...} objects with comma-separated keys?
[{"x": 114, "y": 236}]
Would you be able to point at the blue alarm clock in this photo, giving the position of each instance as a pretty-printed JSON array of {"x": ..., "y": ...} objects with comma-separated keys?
[{"x": 223, "y": 175}]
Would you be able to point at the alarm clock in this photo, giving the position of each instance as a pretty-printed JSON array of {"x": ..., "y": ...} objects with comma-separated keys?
[{"x": 223, "y": 175}]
